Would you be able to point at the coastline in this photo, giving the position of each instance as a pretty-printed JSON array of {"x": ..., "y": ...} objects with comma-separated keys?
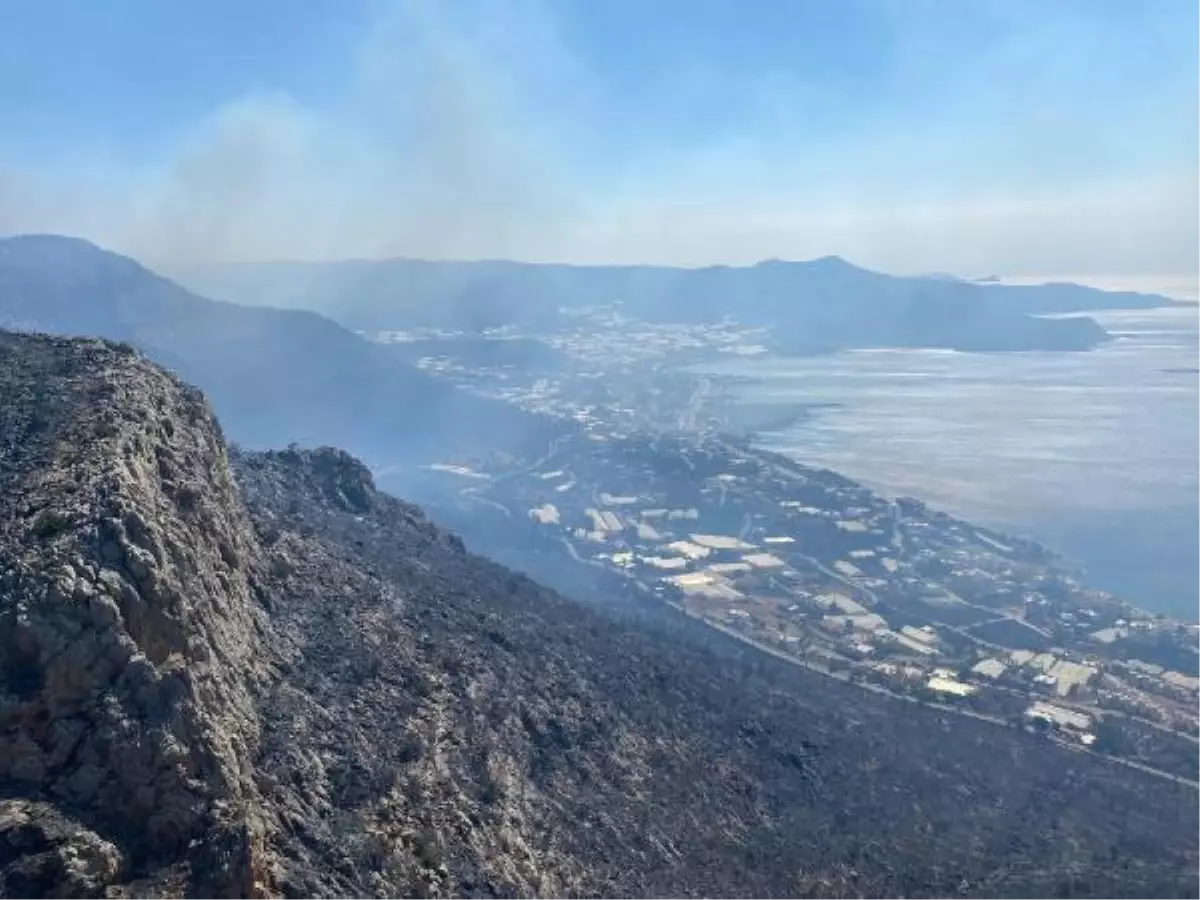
[{"x": 1047, "y": 462}]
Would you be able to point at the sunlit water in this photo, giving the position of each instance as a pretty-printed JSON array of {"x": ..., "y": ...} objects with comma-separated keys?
[{"x": 1095, "y": 454}]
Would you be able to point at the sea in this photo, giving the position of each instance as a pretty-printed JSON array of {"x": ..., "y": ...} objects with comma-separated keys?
[{"x": 1093, "y": 454}]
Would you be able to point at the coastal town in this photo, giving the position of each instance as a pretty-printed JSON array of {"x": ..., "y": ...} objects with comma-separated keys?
[{"x": 648, "y": 481}]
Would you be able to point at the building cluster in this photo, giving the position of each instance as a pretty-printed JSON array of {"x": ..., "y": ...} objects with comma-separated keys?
[{"x": 803, "y": 560}]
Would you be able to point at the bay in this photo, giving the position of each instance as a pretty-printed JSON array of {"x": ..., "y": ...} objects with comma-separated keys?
[{"x": 1094, "y": 454}]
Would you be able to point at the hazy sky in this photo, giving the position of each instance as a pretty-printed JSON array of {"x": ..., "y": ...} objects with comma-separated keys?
[{"x": 1013, "y": 137}]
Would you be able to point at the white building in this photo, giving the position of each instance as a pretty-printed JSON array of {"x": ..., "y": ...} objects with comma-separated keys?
[
  {"x": 951, "y": 686},
  {"x": 1067, "y": 718}
]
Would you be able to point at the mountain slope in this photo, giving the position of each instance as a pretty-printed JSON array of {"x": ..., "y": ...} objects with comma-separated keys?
[
  {"x": 817, "y": 305},
  {"x": 275, "y": 376},
  {"x": 224, "y": 675}
]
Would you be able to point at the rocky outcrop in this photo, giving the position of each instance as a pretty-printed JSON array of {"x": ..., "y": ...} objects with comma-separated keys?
[
  {"x": 131, "y": 642},
  {"x": 226, "y": 673}
]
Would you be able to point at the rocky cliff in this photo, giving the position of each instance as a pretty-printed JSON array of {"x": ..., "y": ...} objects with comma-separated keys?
[
  {"x": 132, "y": 641},
  {"x": 226, "y": 673}
]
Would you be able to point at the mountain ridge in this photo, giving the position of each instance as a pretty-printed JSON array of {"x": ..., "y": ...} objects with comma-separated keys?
[
  {"x": 810, "y": 306},
  {"x": 276, "y": 375}
]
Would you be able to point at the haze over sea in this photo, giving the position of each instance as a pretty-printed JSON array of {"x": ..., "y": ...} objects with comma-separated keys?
[{"x": 1094, "y": 454}]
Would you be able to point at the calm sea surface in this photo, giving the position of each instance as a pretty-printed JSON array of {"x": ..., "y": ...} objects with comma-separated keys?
[{"x": 1094, "y": 454}]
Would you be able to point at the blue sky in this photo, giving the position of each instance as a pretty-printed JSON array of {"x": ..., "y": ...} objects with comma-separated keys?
[{"x": 1015, "y": 136}]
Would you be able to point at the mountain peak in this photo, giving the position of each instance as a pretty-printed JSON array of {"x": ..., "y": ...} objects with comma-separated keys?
[
  {"x": 825, "y": 263},
  {"x": 832, "y": 261}
]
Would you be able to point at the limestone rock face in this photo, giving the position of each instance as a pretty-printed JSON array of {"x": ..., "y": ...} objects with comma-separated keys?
[
  {"x": 226, "y": 673},
  {"x": 131, "y": 643}
]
